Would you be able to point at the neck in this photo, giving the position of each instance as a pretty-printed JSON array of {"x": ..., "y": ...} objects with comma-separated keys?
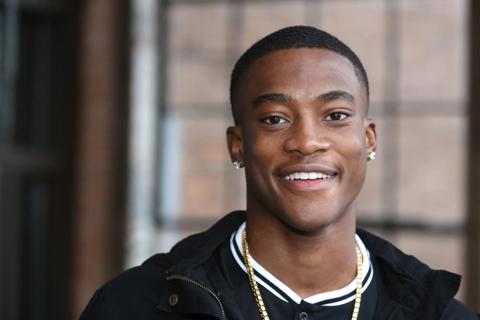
[{"x": 308, "y": 263}]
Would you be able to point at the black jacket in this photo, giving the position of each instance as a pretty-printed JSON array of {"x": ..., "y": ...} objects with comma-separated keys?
[{"x": 175, "y": 285}]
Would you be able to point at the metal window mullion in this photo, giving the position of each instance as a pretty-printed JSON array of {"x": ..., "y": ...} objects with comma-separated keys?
[
  {"x": 143, "y": 129},
  {"x": 390, "y": 146}
]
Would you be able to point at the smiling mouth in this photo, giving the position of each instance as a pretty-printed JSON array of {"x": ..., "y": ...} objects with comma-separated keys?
[{"x": 309, "y": 176}]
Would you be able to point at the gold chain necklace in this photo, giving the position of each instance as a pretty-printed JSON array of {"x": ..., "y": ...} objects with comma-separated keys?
[{"x": 258, "y": 296}]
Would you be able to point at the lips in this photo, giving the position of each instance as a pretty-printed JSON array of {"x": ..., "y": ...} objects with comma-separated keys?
[
  {"x": 308, "y": 177},
  {"x": 307, "y": 171}
]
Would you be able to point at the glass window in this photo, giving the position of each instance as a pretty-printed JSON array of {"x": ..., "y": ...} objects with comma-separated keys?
[{"x": 417, "y": 99}]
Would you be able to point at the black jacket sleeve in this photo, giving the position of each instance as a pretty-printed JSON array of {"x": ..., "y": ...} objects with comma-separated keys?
[
  {"x": 457, "y": 310},
  {"x": 97, "y": 307}
]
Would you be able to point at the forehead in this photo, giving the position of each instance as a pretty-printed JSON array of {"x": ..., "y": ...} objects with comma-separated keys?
[{"x": 301, "y": 72}]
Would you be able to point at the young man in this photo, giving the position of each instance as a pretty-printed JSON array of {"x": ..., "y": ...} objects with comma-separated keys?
[{"x": 299, "y": 100}]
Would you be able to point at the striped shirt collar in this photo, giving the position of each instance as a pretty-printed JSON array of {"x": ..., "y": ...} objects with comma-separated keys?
[{"x": 284, "y": 293}]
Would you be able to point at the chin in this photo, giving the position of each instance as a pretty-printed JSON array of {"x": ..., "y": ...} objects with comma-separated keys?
[{"x": 307, "y": 222}]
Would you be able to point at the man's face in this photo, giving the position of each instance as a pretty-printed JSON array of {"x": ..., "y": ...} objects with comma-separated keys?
[{"x": 303, "y": 137}]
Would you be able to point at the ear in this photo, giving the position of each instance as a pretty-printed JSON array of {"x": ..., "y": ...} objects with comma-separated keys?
[
  {"x": 370, "y": 135},
  {"x": 235, "y": 143}
]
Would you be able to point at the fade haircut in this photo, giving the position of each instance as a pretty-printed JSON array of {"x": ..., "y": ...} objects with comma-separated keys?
[{"x": 288, "y": 38}]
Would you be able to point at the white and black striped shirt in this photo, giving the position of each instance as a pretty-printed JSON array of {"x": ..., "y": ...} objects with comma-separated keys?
[{"x": 283, "y": 303}]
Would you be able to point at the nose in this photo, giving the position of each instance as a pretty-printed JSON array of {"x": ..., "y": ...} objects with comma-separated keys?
[{"x": 307, "y": 137}]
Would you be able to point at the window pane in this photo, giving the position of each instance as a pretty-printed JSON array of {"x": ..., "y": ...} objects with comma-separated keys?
[
  {"x": 35, "y": 242},
  {"x": 197, "y": 72},
  {"x": 432, "y": 55},
  {"x": 432, "y": 168},
  {"x": 362, "y": 25},
  {"x": 33, "y": 108},
  {"x": 261, "y": 18}
]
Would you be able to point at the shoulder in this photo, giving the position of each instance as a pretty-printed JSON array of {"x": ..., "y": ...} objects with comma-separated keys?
[
  {"x": 408, "y": 284},
  {"x": 144, "y": 292},
  {"x": 396, "y": 263},
  {"x": 137, "y": 292},
  {"x": 457, "y": 310},
  {"x": 132, "y": 294}
]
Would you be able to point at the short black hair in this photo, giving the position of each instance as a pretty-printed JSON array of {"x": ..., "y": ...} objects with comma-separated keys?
[{"x": 288, "y": 38}]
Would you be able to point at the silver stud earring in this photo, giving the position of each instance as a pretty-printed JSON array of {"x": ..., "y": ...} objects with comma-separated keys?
[
  {"x": 372, "y": 155},
  {"x": 237, "y": 164}
]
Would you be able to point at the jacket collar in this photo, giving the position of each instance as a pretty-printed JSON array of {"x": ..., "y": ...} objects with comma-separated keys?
[
  {"x": 408, "y": 286},
  {"x": 414, "y": 290},
  {"x": 196, "y": 249},
  {"x": 186, "y": 281}
]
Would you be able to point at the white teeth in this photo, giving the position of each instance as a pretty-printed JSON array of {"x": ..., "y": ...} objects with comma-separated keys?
[{"x": 307, "y": 176}]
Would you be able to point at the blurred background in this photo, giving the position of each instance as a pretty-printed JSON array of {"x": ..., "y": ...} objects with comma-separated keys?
[{"x": 112, "y": 132}]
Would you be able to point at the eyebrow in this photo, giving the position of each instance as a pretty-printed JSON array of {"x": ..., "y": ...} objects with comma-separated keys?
[
  {"x": 272, "y": 97},
  {"x": 285, "y": 98},
  {"x": 336, "y": 94}
]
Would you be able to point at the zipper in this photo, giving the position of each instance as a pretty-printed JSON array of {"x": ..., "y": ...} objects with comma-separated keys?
[{"x": 184, "y": 278}]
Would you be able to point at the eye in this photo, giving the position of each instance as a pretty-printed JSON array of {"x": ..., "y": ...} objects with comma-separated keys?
[
  {"x": 274, "y": 120},
  {"x": 336, "y": 116}
]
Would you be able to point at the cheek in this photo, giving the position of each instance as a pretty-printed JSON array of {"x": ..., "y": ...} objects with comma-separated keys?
[
  {"x": 261, "y": 149},
  {"x": 354, "y": 142},
  {"x": 356, "y": 148},
  {"x": 354, "y": 153},
  {"x": 259, "y": 156}
]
